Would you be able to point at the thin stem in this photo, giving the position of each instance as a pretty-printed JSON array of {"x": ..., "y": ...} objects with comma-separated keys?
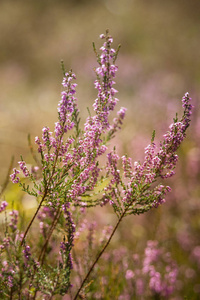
[
  {"x": 53, "y": 225},
  {"x": 33, "y": 218},
  {"x": 11, "y": 293},
  {"x": 100, "y": 254}
]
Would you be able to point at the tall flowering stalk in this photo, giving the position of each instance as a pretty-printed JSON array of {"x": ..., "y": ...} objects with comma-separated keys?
[
  {"x": 132, "y": 191},
  {"x": 70, "y": 175}
]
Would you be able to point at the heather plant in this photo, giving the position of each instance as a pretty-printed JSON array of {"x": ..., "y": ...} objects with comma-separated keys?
[{"x": 74, "y": 171}]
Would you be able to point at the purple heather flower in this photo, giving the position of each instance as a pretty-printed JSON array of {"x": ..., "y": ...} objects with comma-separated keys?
[
  {"x": 117, "y": 121},
  {"x": 106, "y": 100},
  {"x": 139, "y": 286},
  {"x": 23, "y": 167},
  {"x": 121, "y": 112},
  {"x": 10, "y": 281},
  {"x": 127, "y": 166},
  {"x": 38, "y": 142},
  {"x": 69, "y": 220},
  {"x": 68, "y": 102},
  {"x": 155, "y": 282},
  {"x": 157, "y": 163},
  {"x": 45, "y": 135},
  {"x": 58, "y": 129},
  {"x": 129, "y": 274},
  {"x": 165, "y": 158},
  {"x": 3, "y": 205},
  {"x": 44, "y": 215},
  {"x": 163, "y": 285},
  {"x": 112, "y": 167},
  {"x": 14, "y": 219},
  {"x": 26, "y": 252},
  {"x": 102, "y": 36},
  {"x": 151, "y": 255},
  {"x": 14, "y": 177}
]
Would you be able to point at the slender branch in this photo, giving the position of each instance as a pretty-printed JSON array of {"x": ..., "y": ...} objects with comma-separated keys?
[
  {"x": 100, "y": 254},
  {"x": 53, "y": 225},
  {"x": 33, "y": 218}
]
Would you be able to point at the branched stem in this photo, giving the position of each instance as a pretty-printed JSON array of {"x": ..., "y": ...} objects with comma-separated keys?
[
  {"x": 100, "y": 254},
  {"x": 43, "y": 198}
]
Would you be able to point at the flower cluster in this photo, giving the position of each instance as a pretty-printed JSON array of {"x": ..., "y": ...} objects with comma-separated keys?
[
  {"x": 14, "y": 177},
  {"x": 106, "y": 100},
  {"x": 13, "y": 219},
  {"x": 136, "y": 193},
  {"x": 166, "y": 158},
  {"x": 3, "y": 206},
  {"x": 154, "y": 258},
  {"x": 45, "y": 216},
  {"x": 23, "y": 168}
]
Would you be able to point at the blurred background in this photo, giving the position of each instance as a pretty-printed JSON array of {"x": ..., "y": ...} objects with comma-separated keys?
[{"x": 158, "y": 62}]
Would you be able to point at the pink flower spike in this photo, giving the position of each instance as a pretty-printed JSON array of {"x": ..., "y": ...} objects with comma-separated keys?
[
  {"x": 14, "y": 177},
  {"x": 3, "y": 206}
]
